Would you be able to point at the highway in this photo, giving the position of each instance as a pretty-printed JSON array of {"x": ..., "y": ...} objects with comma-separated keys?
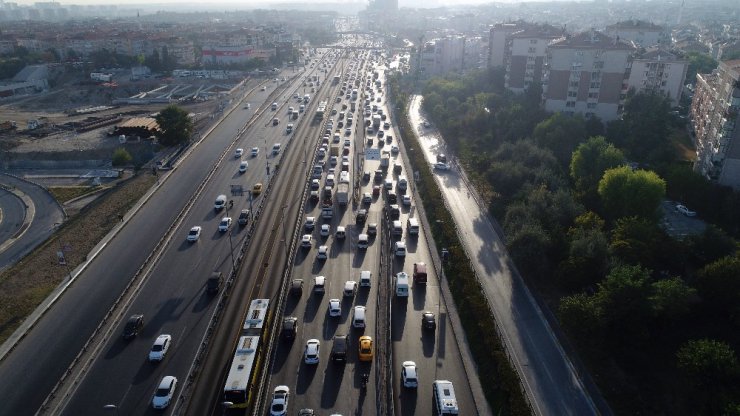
[
  {"x": 336, "y": 387},
  {"x": 29, "y": 203},
  {"x": 549, "y": 379}
]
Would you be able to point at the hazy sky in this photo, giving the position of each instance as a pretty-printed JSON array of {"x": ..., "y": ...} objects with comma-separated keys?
[{"x": 255, "y": 3}]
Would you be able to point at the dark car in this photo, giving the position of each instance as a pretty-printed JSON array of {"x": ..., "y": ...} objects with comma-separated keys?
[
  {"x": 296, "y": 287},
  {"x": 428, "y": 321},
  {"x": 339, "y": 348},
  {"x": 213, "y": 284},
  {"x": 361, "y": 216},
  {"x": 392, "y": 197},
  {"x": 290, "y": 328},
  {"x": 244, "y": 217},
  {"x": 133, "y": 326}
]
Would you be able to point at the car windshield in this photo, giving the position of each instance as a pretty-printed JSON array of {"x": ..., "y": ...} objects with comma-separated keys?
[
  {"x": 162, "y": 392},
  {"x": 277, "y": 407},
  {"x": 157, "y": 348},
  {"x": 193, "y": 232}
]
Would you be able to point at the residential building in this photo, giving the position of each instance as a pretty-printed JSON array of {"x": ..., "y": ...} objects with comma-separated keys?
[
  {"x": 587, "y": 73},
  {"x": 642, "y": 33},
  {"x": 525, "y": 53},
  {"x": 440, "y": 56},
  {"x": 497, "y": 38},
  {"x": 714, "y": 111},
  {"x": 659, "y": 70}
]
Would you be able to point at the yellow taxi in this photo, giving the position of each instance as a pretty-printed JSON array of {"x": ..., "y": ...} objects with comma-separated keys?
[
  {"x": 366, "y": 348},
  {"x": 257, "y": 189}
]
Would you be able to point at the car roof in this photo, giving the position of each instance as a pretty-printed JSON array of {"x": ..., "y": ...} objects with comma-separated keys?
[{"x": 166, "y": 381}]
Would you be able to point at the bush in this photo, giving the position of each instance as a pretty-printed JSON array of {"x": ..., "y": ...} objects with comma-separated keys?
[{"x": 121, "y": 157}]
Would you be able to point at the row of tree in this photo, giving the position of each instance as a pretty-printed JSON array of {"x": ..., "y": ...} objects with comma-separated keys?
[{"x": 650, "y": 314}]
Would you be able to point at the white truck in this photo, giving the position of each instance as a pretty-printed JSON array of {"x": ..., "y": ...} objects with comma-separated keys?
[
  {"x": 342, "y": 194},
  {"x": 376, "y": 121}
]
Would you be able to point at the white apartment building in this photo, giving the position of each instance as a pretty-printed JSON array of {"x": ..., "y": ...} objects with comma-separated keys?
[
  {"x": 440, "y": 56},
  {"x": 642, "y": 33},
  {"x": 714, "y": 111},
  {"x": 659, "y": 70},
  {"x": 587, "y": 74}
]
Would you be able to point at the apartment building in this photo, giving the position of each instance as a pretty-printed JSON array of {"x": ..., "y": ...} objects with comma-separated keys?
[
  {"x": 440, "y": 56},
  {"x": 642, "y": 33},
  {"x": 714, "y": 111},
  {"x": 587, "y": 73},
  {"x": 525, "y": 54},
  {"x": 659, "y": 70},
  {"x": 497, "y": 38}
]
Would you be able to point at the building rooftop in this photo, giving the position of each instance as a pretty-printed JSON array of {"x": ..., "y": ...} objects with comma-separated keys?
[
  {"x": 634, "y": 24},
  {"x": 658, "y": 54},
  {"x": 591, "y": 40}
]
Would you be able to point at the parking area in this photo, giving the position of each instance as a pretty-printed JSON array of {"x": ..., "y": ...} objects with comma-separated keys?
[{"x": 677, "y": 224}]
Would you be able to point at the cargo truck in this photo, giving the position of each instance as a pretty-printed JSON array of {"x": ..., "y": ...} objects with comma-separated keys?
[{"x": 343, "y": 194}]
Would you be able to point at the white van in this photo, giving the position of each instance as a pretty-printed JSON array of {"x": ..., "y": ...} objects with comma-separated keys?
[
  {"x": 444, "y": 398},
  {"x": 358, "y": 317},
  {"x": 412, "y": 226},
  {"x": 401, "y": 284},
  {"x": 276, "y": 148},
  {"x": 362, "y": 242},
  {"x": 274, "y": 106},
  {"x": 220, "y": 202},
  {"x": 397, "y": 228},
  {"x": 400, "y": 249},
  {"x": 365, "y": 278}
]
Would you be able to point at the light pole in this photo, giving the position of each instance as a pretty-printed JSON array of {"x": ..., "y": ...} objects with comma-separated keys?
[{"x": 111, "y": 407}]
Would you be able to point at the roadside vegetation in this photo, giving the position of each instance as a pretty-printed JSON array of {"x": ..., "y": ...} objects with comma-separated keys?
[
  {"x": 25, "y": 285},
  {"x": 653, "y": 317},
  {"x": 67, "y": 193}
]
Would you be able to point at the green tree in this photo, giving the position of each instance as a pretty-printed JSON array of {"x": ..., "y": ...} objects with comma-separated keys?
[
  {"x": 699, "y": 63},
  {"x": 711, "y": 245},
  {"x": 646, "y": 121},
  {"x": 175, "y": 125},
  {"x": 625, "y": 192},
  {"x": 634, "y": 240},
  {"x": 624, "y": 299},
  {"x": 560, "y": 134},
  {"x": 707, "y": 362},
  {"x": 589, "y": 162},
  {"x": 527, "y": 243},
  {"x": 718, "y": 284},
  {"x": 672, "y": 298},
  {"x": 580, "y": 316},
  {"x": 121, "y": 157},
  {"x": 588, "y": 254}
]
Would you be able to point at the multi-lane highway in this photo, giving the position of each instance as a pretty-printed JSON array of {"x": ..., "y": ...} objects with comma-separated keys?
[{"x": 169, "y": 273}]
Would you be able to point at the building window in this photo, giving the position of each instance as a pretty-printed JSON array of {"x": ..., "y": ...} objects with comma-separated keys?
[
  {"x": 591, "y": 106},
  {"x": 598, "y": 65},
  {"x": 532, "y": 50},
  {"x": 530, "y": 66},
  {"x": 572, "y": 93},
  {"x": 593, "y": 95},
  {"x": 570, "y": 104},
  {"x": 573, "y": 84},
  {"x": 530, "y": 59},
  {"x": 595, "y": 85},
  {"x": 533, "y": 41}
]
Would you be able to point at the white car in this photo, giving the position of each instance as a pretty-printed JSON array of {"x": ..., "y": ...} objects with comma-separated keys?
[
  {"x": 279, "y": 406},
  {"x": 685, "y": 211},
  {"x": 406, "y": 200},
  {"x": 160, "y": 347},
  {"x": 311, "y": 353},
  {"x": 323, "y": 253},
  {"x": 325, "y": 230},
  {"x": 165, "y": 391},
  {"x": 255, "y": 151},
  {"x": 441, "y": 166},
  {"x": 310, "y": 223},
  {"x": 400, "y": 249},
  {"x": 410, "y": 375},
  {"x": 335, "y": 307},
  {"x": 239, "y": 152},
  {"x": 243, "y": 165},
  {"x": 194, "y": 233},
  {"x": 306, "y": 241},
  {"x": 225, "y": 224}
]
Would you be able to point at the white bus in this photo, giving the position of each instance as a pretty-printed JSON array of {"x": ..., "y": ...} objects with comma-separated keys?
[
  {"x": 444, "y": 397},
  {"x": 237, "y": 385}
]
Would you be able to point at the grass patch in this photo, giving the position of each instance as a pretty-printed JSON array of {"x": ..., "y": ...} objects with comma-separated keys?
[
  {"x": 683, "y": 145},
  {"x": 68, "y": 193},
  {"x": 24, "y": 286}
]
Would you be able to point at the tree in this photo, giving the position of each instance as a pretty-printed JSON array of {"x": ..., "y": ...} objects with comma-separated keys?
[
  {"x": 634, "y": 240},
  {"x": 625, "y": 192},
  {"x": 580, "y": 316},
  {"x": 646, "y": 121},
  {"x": 707, "y": 362},
  {"x": 623, "y": 298},
  {"x": 699, "y": 63},
  {"x": 672, "y": 298},
  {"x": 121, "y": 157},
  {"x": 718, "y": 284},
  {"x": 175, "y": 126},
  {"x": 561, "y": 134},
  {"x": 589, "y": 162},
  {"x": 527, "y": 243},
  {"x": 588, "y": 254},
  {"x": 711, "y": 245}
]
